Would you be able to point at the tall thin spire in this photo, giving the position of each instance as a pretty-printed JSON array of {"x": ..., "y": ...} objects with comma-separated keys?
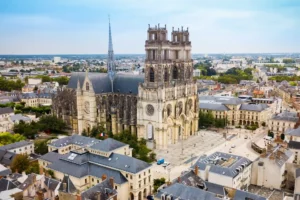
[{"x": 110, "y": 59}]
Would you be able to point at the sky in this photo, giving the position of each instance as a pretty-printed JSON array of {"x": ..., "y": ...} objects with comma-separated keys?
[{"x": 81, "y": 26}]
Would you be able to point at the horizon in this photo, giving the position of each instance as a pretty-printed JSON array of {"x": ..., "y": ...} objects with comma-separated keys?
[{"x": 54, "y": 27}]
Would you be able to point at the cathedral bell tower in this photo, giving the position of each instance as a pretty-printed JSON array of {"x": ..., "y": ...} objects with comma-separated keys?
[{"x": 167, "y": 108}]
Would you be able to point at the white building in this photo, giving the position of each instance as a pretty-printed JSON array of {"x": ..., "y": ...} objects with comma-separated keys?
[
  {"x": 281, "y": 122},
  {"x": 56, "y": 59},
  {"x": 23, "y": 147},
  {"x": 269, "y": 170},
  {"x": 34, "y": 81},
  {"x": 225, "y": 169}
]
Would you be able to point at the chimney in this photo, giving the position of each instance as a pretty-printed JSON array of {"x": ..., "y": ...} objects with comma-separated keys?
[
  {"x": 196, "y": 170},
  {"x": 103, "y": 177},
  {"x": 111, "y": 182},
  {"x": 65, "y": 187},
  {"x": 34, "y": 178},
  {"x": 41, "y": 170},
  {"x": 78, "y": 196},
  {"x": 178, "y": 179},
  {"x": 98, "y": 195}
]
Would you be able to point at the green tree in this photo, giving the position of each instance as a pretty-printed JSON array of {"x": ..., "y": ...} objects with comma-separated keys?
[
  {"x": 28, "y": 130},
  {"x": 8, "y": 138},
  {"x": 40, "y": 147},
  {"x": 35, "y": 88},
  {"x": 158, "y": 183},
  {"x": 51, "y": 123},
  {"x": 20, "y": 163},
  {"x": 62, "y": 80},
  {"x": 33, "y": 168}
]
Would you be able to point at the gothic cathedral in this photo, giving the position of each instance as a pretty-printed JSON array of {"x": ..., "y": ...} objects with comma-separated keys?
[{"x": 160, "y": 106}]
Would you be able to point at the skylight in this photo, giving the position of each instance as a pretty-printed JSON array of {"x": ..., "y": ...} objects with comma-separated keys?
[{"x": 72, "y": 156}]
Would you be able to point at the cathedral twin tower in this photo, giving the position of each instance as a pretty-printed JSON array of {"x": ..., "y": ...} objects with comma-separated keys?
[
  {"x": 160, "y": 106},
  {"x": 168, "y": 103}
]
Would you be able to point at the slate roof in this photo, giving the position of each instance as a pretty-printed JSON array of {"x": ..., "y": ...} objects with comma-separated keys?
[
  {"x": 254, "y": 107},
  {"x": 106, "y": 189},
  {"x": 127, "y": 83},
  {"x": 293, "y": 132},
  {"x": 74, "y": 139},
  {"x": 6, "y": 185},
  {"x": 36, "y": 95},
  {"x": 51, "y": 183},
  {"x": 16, "y": 145},
  {"x": 214, "y": 161},
  {"x": 19, "y": 117},
  {"x": 294, "y": 145},
  {"x": 85, "y": 164},
  {"x": 123, "y": 83},
  {"x": 298, "y": 173},
  {"x": 221, "y": 99},
  {"x": 51, "y": 156},
  {"x": 4, "y": 171},
  {"x": 6, "y": 157},
  {"x": 6, "y": 110},
  {"x": 213, "y": 106},
  {"x": 108, "y": 145},
  {"x": 121, "y": 162},
  {"x": 184, "y": 192},
  {"x": 286, "y": 116},
  {"x": 70, "y": 186},
  {"x": 240, "y": 194},
  {"x": 29, "y": 181}
]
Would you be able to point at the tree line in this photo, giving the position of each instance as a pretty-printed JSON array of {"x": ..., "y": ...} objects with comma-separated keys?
[
  {"x": 47, "y": 123},
  {"x": 9, "y": 85},
  {"x": 140, "y": 149},
  {"x": 206, "y": 119}
]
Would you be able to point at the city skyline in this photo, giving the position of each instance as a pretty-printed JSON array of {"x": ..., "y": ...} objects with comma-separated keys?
[{"x": 81, "y": 27}]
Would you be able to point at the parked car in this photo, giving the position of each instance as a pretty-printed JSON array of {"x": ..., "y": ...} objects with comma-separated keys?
[
  {"x": 166, "y": 164},
  {"x": 233, "y": 146}
]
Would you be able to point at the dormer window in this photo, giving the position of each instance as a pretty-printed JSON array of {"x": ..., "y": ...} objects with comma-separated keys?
[{"x": 87, "y": 86}]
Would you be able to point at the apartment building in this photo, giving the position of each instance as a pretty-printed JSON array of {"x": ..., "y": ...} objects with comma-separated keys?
[
  {"x": 190, "y": 186},
  {"x": 270, "y": 163},
  {"x": 235, "y": 110},
  {"x": 225, "y": 169},
  {"x": 88, "y": 161},
  {"x": 293, "y": 138},
  {"x": 22, "y": 147},
  {"x": 35, "y": 99},
  {"x": 281, "y": 122}
]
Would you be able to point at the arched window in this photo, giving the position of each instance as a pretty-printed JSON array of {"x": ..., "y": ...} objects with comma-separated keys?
[
  {"x": 87, "y": 86},
  {"x": 151, "y": 74},
  {"x": 187, "y": 73},
  {"x": 166, "y": 75},
  {"x": 175, "y": 72}
]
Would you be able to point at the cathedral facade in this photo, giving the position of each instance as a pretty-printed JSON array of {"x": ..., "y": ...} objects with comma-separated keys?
[{"x": 160, "y": 105}]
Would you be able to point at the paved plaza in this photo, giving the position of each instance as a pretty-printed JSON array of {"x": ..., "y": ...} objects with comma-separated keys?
[
  {"x": 193, "y": 147},
  {"x": 205, "y": 143}
]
